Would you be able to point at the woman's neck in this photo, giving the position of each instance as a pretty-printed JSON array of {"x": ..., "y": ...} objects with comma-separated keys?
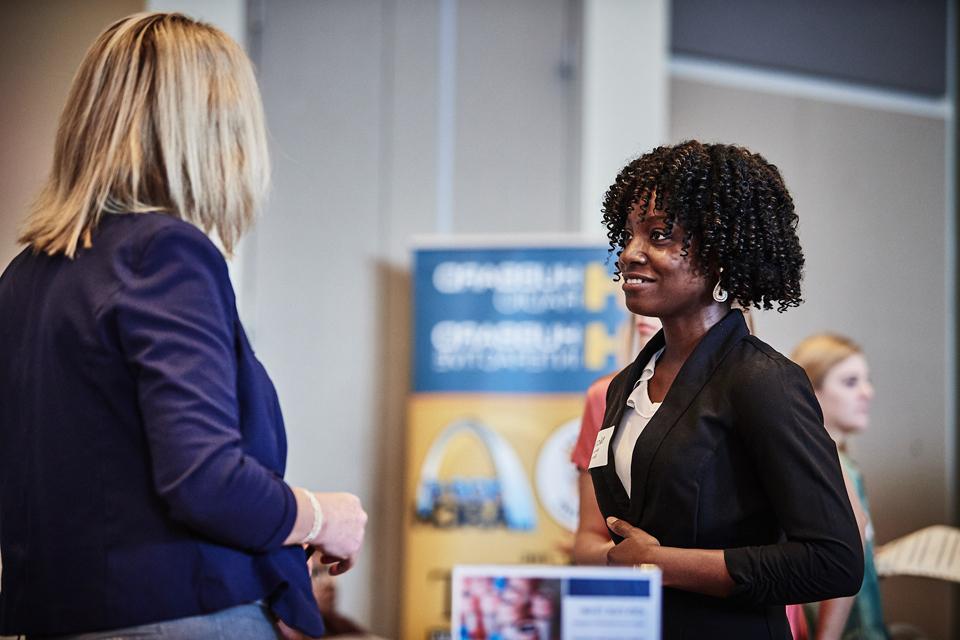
[
  {"x": 838, "y": 436},
  {"x": 682, "y": 334}
]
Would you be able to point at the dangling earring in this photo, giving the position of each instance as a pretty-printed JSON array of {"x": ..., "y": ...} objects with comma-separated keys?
[{"x": 719, "y": 294}]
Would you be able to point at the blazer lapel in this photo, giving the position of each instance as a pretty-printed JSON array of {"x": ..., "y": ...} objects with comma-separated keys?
[
  {"x": 613, "y": 414},
  {"x": 693, "y": 375}
]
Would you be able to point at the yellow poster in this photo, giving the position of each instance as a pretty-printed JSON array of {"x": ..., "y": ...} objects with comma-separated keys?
[{"x": 506, "y": 342}]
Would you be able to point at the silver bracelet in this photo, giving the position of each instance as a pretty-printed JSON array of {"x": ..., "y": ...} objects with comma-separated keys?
[{"x": 317, "y": 517}]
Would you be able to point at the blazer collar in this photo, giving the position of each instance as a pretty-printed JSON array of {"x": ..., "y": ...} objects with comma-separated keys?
[{"x": 691, "y": 378}]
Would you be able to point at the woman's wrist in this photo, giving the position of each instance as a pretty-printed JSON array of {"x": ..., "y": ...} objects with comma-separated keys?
[
  {"x": 317, "y": 521},
  {"x": 304, "y": 520}
]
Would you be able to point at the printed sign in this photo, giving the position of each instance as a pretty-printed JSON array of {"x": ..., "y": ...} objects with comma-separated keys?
[
  {"x": 555, "y": 603},
  {"x": 513, "y": 320},
  {"x": 506, "y": 342}
]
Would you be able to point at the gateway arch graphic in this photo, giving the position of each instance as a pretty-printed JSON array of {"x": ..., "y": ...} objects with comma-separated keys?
[{"x": 506, "y": 500}]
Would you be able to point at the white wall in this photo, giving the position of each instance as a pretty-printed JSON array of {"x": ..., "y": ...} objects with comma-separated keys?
[
  {"x": 393, "y": 118},
  {"x": 377, "y": 136}
]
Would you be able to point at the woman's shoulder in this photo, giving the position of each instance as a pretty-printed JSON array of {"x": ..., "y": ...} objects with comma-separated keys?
[
  {"x": 145, "y": 240},
  {"x": 755, "y": 367}
]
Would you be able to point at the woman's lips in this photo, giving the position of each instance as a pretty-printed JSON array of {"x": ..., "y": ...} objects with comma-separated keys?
[{"x": 634, "y": 282}]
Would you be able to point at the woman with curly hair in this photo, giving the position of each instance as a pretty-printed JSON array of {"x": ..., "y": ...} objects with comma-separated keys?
[{"x": 713, "y": 462}]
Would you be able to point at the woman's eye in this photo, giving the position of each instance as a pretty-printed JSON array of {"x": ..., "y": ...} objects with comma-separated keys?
[
  {"x": 850, "y": 382},
  {"x": 659, "y": 234}
]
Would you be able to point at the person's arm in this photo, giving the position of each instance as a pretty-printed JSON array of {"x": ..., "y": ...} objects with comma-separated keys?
[
  {"x": 592, "y": 540},
  {"x": 698, "y": 570},
  {"x": 832, "y": 618},
  {"x": 833, "y": 614},
  {"x": 778, "y": 420},
  {"x": 175, "y": 316}
]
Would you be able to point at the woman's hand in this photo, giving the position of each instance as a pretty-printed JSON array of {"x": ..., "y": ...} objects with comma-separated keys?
[
  {"x": 635, "y": 547},
  {"x": 341, "y": 535},
  {"x": 288, "y": 633}
]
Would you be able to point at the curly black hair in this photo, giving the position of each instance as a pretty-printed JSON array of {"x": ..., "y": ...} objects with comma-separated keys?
[{"x": 735, "y": 211}]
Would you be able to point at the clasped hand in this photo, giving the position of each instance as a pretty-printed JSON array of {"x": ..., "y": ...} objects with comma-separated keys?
[
  {"x": 635, "y": 547},
  {"x": 341, "y": 537}
]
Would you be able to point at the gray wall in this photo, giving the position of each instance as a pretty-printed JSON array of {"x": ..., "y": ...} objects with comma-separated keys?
[
  {"x": 869, "y": 190},
  {"x": 884, "y": 43},
  {"x": 351, "y": 96}
]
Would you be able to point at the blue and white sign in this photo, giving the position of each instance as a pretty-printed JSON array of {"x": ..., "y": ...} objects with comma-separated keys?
[
  {"x": 570, "y": 603},
  {"x": 514, "y": 319}
]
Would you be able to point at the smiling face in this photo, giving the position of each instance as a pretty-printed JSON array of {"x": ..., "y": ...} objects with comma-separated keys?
[
  {"x": 658, "y": 280},
  {"x": 845, "y": 396}
]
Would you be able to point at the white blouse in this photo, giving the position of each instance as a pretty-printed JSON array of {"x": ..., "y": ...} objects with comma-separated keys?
[{"x": 634, "y": 419}]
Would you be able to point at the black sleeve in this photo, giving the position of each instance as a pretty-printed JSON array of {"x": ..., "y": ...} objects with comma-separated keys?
[{"x": 779, "y": 419}]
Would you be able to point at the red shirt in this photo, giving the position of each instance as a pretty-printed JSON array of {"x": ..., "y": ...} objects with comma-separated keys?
[{"x": 592, "y": 421}]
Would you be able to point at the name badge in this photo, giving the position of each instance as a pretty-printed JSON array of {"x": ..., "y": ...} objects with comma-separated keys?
[{"x": 601, "y": 448}]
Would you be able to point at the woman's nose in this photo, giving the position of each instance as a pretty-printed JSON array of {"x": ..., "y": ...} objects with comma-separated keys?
[{"x": 634, "y": 252}]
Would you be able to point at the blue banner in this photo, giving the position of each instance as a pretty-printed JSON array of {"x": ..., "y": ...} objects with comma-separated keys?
[
  {"x": 514, "y": 320},
  {"x": 610, "y": 588}
]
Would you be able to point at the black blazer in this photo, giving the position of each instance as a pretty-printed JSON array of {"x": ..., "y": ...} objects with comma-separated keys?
[{"x": 737, "y": 458}]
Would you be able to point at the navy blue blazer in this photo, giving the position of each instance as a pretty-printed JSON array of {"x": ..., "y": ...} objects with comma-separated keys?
[
  {"x": 737, "y": 458},
  {"x": 142, "y": 447}
]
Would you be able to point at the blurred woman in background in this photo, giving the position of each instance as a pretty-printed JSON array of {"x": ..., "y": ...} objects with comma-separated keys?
[{"x": 840, "y": 376}]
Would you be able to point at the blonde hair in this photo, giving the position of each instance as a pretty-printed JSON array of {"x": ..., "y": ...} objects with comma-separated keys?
[
  {"x": 821, "y": 352},
  {"x": 164, "y": 114}
]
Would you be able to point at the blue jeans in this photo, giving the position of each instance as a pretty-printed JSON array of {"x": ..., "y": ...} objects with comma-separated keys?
[{"x": 246, "y": 622}]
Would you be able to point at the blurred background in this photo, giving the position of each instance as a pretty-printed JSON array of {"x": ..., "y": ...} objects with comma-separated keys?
[{"x": 390, "y": 119}]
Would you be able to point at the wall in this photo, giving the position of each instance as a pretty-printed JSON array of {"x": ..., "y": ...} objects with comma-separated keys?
[
  {"x": 624, "y": 97},
  {"x": 396, "y": 118},
  {"x": 43, "y": 43},
  {"x": 377, "y": 137}
]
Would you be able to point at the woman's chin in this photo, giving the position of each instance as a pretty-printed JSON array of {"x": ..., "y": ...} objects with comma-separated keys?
[
  {"x": 856, "y": 428},
  {"x": 641, "y": 307}
]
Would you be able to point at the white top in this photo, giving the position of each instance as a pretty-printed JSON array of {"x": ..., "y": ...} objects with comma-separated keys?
[{"x": 634, "y": 419}]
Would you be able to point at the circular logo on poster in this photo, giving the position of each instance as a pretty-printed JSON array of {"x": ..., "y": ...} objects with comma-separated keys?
[{"x": 556, "y": 476}]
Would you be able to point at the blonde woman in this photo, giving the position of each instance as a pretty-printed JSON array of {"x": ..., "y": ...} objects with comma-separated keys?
[
  {"x": 141, "y": 444},
  {"x": 840, "y": 376}
]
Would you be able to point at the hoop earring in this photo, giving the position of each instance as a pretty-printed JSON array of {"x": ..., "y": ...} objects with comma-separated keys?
[{"x": 718, "y": 293}]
